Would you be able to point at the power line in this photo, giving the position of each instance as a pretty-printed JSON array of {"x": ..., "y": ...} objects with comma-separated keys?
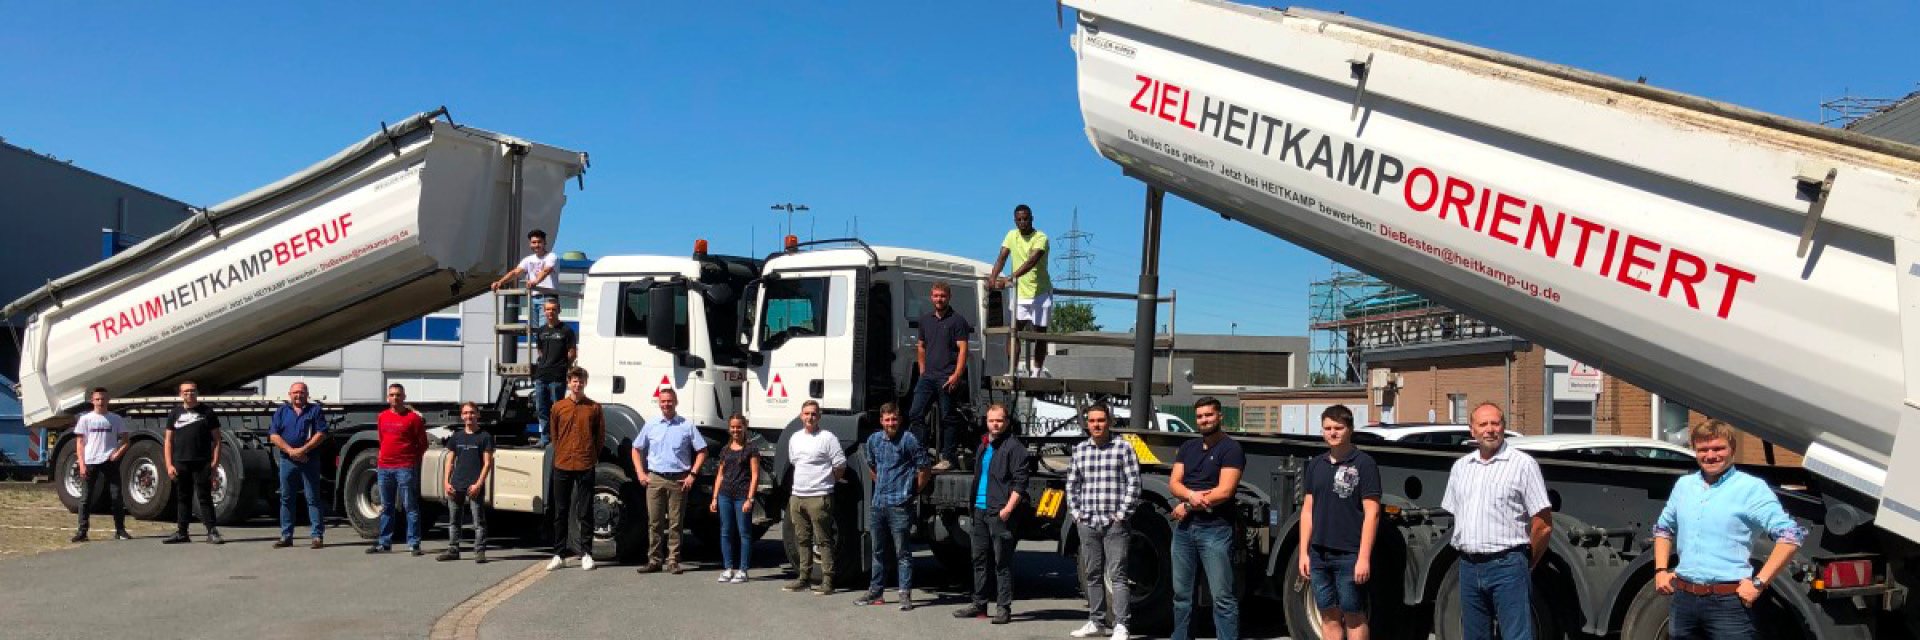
[{"x": 1078, "y": 276}]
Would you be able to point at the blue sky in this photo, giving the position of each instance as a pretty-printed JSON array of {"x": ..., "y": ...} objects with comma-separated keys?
[{"x": 926, "y": 121}]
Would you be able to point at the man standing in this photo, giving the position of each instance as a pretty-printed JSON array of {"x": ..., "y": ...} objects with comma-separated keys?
[
  {"x": 579, "y": 430},
  {"x": 1034, "y": 293},
  {"x": 193, "y": 453},
  {"x": 1713, "y": 515},
  {"x": 466, "y": 483},
  {"x": 818, "y": 463},
  {"x": 1206, "y": 471},
  {"x": 102, "y": 438},
  {"x": 558, "y": 347},
  {"x": 899, "y": 468},
  {"x": 1101, "y": 487},
  {"x": 665, "y": 457},
  {"x": 537, "y": 269},
  {"x": 1501, "y": 518},
  {"x": 403, "y": 441},
  {"x": 298, "y": 428},
  {"x": 941, "y": 355},
  {"x": 1337, "y": 521},
  {"x": 1002, "y": 482}
]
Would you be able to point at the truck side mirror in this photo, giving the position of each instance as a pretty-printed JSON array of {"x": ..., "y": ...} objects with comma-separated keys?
[{"x": 661, "y": 330}]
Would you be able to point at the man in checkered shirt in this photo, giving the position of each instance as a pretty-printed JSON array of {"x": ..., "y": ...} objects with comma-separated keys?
[{"x": 1101, "y": 489}]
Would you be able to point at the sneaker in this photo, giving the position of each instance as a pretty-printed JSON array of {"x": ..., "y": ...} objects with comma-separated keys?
[
  {"x": 1088, "y": 630},
  {"x": 739, "y": 576},
  {"x": 943, "y": 465},
  {"x": 213, "y": 537},
  {"x": 176, "y": 538},
  {"x": 319, "y": 543},
  {"x": 283, "y": 543},
  {"x": 726, "y": 575},
  {"x": 674, "y": 568},
  {"x": 417, "y": 551},
  {"x": 377, "y": 549},
  {"x": 1120, "y": 632},
  {"x": 972, "y": 611},
  {"x": 1003, "y": 615},
  {"x": 556, "y": 563},
  {"x": 823, "y": 589},
  {"x": 651, "y": 567},
  {"x": 586, "y": 562},
  {"x": 122, "y": 535},
  {"x": 448, "y": 555},
  {"x": 480, "y": 557},
  {"x": 871, "y": 598},
  {"x": 906, "y": 601},
  {"x": 796, "y": 586},
  {"x": 79, "y": 537}
]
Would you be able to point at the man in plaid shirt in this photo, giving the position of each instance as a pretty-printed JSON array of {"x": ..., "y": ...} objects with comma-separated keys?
[{"x": 1101, "y": 489}]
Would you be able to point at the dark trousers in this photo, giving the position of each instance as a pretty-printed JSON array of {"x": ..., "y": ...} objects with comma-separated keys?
[
  {"x": 572, "y": 505},
  {"x": 928, "y": 393},
  {"x": 1710, "y": 618},
  {"x": 103, "y": 478},
  {"x": 460, "y": 505},
  {"x": 1497, "y": 589},
  {"x": 992, "y": 558},
  {"x": 193, "y": 484}
]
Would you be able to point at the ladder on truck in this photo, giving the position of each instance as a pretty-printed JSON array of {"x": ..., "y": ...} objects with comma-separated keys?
[
  {"x": 1078, "y": 392},
  {"x": 515, "y": 318}
]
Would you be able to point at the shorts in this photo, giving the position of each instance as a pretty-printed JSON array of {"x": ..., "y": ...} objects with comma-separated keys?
[
  {"x": 1333, "y": 587},
  {"x": 1037, "y": 310}
]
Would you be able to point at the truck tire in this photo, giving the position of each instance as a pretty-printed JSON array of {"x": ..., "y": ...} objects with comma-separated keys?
[
  {"x": 1150, "y": 570},
  {"x": 850, "y": 567},
  {"x": 955, "y": 552},
  {"x": 1387, "y": 615},
  {"x": 148, "y": 490},
  {"x": 360, "y": 494},
  {"x": 1647, "y": 615},
  {"x": 233, "y": 496},
  {"x": 619, "y": 513},
  {"x": 1446, "y": 610},
  {"x": 66, "y": 476}
]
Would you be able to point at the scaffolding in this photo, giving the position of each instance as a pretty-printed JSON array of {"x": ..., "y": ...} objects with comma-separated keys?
[
  {"x": 1353, "y": 314},
  {"x": 1846, "y": 110},
  {"x": 1335, "y": 359}
]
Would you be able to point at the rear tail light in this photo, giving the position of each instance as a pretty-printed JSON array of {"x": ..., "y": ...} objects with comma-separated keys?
[{"x": 1845, "y": 574}]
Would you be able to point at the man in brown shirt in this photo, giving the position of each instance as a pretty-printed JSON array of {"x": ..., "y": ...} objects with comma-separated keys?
[{"x": 578, "y": 430}]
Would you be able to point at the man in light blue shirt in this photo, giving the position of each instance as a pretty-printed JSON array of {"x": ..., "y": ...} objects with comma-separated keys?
[
  {"x": 665, "y": 457},
  {"x": 1713, "y": 515}
]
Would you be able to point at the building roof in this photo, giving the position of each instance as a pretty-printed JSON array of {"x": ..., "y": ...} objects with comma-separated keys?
[{"x": 1899, "y": 122}]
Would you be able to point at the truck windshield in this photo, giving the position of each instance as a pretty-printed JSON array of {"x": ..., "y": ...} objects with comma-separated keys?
[{"x": 794, "y": 307}]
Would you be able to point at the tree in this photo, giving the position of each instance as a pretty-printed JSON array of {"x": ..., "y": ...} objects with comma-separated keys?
[{"x": 1070, "y": 317}]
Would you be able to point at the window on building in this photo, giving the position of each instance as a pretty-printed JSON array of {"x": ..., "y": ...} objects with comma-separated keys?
[
  {"x": 1457, "y": 408},
  {"x": 1572, "y": 416},
  {"x": 439, "y": 326},
  {"x": 427, "y": 387},
  {"x": 1670, "y": 424}
]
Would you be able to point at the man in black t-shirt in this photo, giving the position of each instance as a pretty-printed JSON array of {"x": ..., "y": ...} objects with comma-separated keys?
[
  {"x": 193, "y": 456},
  {"x": 1337, "y": 523},
  {"x": 466, "y": 483},
  {"x": 942, "y": 362},
  {"x": 1205, "y": 473},
  {"x": 558, "y": 346}
]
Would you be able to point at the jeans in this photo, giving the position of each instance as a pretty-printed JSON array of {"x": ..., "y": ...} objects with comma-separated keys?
[
  {"x": 992, "y": 558},
  {"x": 401, "y": 485},
  {"x": 1103, "y": 570},
  {"x": 297, "y": 477},
  {"x": 889, "y": 527},
  {"x": 572, "y": 512},
  {"x": 926, "y": 393},
  {"x": 460, "y": 505},
  {"x": 1710, "y": 618},
  {"x": 545, "y": 393},
  {"x": 736, "y": 533},
  {"x": 1208, "y": 547},
  {"x": 103, "y": 478},
  {"x": 1497, "y": 588},
  {"x": 1333, "y": 587},
  {"x": 813, "y": 528},
  {"x": 193, "y": 478}
]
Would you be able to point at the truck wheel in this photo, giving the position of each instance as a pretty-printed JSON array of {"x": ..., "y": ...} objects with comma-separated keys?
[
  {"x": 361, "y": 494},
  {"x": 619, "y": 513},
  {"x": 66, "y": 476},
  {"x": 1447, "y": 605},
  {"x": 1647, "y": 616},
  {"x": 149, "y": 492},
  {"x": 232, "y": 496},
  {"x": 1387, "y": 615},
  {"x": 1150, "y": 570},
  {"x": 955, "y": 552}
]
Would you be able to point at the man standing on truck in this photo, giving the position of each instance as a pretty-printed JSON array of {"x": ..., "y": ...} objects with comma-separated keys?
[
  {"x": 102, "y": 439},
  {"x": 579, "y": 430},
  {"x": 298, "y": 427},
  {"x": 1712, "y": 515},
  {"x": 1206, "y": 473},
  {"x": 403, "y": 441},
  {"x": 1001, "y": 483},
  {"x": 1501, "y": 518},
  {"x": 558, "y": 347},
  {"x": 899, "y": 469},
  {"x": 941, "y": 355},
  {"x": 818, "y": 464},
  {"x": 1101, "y": 488},
  {"x": 666, "y": 456},
  {"x": 1338, "y": 519},
  {"x": 537, "y": 268},
  {"x": 466, "y": 483},
  {"x": 193, "y": 454},
  {"x": 1034, "y": 289}
]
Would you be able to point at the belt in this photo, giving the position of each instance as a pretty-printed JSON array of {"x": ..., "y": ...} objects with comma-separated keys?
[
  {"x": 670, "y": 475},
  {"x": 1494, "y": 555},
  {"x": 1715, "y": 589}
]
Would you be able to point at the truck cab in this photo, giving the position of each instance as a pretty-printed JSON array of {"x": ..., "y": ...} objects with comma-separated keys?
[{"x": 654, "y": 322}]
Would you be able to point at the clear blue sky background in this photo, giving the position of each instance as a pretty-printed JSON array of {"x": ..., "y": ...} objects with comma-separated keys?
[{"x": 926, "y": 121}]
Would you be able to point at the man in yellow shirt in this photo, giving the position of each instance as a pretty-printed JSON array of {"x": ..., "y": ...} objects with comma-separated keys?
[{"x": 1034, "y": 289}]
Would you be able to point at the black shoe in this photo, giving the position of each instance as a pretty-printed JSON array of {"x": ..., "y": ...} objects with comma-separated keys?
[
  {"x": 871, "y": 598},
  {"x": 283, "y": 543},
  {"x": 480, "y": 557},
  {"x": 906, "y": 601},
  {"x": 79, "y": 537},
  {"x": 448, "y": 555},
  {"x": 972, "y": 611},
  {"x": 1003, "y": 616},
  {"x": 417, "y": 552},
  {"x": 176, "y": 538},
  {"x": 213, "y": 537},
  {"x": 122, "y": 535},
  {"x": 377, "y": 549}
]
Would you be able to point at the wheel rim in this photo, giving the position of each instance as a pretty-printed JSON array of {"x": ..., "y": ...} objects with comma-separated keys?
[
  {"x": 367, "y": 500},
  {"x": 1309, "y": 605},
  {"x": 72, "y": 485},
  {"x": 606, "y": 514},
  {"x": 220, "y": 485},
  {"x": 145, "y": 484}
]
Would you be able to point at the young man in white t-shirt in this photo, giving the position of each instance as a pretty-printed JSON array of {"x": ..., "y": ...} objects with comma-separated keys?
[
  {"x": 539, "y": 273},
  {"x": 101, "y": 437}
]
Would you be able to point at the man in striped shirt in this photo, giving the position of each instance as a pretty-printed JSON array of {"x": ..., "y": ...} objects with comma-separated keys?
[
  {"x": 1501, "y": 518},
  {"x": 1101, "y": 488}
]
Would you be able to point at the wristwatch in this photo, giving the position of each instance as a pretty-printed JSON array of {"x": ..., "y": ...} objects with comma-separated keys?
[{"x": 1757, "y": 582}]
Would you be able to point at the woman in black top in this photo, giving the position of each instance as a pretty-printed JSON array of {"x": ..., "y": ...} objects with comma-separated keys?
[{"x": 733, "y": 499}]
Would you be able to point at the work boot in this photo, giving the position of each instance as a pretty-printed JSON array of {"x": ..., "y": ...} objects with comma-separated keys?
[
  {"x": 448, "y": 555},
  {"x": 674, "y": 568},
  {"x": 796, "y": 586},
  {"x": 283, "y": 543},
  {"x": 480, "y": 556},
  {"x": 122, "y": 535},
  {"x": 79, "y": 537},
  {"x": 972, "y": 611},
  {"x": 1003, "y": 615},
  {"x": 319, "y": 543},
  {"x": 651, "y": 567}
]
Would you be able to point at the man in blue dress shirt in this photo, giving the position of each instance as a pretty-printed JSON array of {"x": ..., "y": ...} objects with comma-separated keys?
[{"x": 1712, "y": 516}]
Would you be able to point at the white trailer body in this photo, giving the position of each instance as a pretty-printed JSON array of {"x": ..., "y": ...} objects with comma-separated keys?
[
  {"x": 1655, "y": 235},
  {"x": 415, "y": 218}
]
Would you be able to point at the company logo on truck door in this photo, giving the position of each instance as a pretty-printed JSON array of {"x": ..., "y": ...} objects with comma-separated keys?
[
  {"x": 1627, "y": 258},
  {"x": 253, "y": 265}
]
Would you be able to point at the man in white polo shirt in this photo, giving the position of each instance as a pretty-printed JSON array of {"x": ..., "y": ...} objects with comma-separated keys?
[
  {"x": 818, "y": 463},
  {"x": 1501, "y": 518}
]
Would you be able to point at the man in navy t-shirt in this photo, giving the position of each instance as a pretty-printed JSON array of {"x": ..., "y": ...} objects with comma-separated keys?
[
  {"x": 1337, "y": 521},
  {"x": 1205, "y": 473}
]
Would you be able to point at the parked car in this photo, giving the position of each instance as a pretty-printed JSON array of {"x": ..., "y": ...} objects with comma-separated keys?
[
  {"x": 1436, "y": 433},
  {"x": 1606, "y": 445}
]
